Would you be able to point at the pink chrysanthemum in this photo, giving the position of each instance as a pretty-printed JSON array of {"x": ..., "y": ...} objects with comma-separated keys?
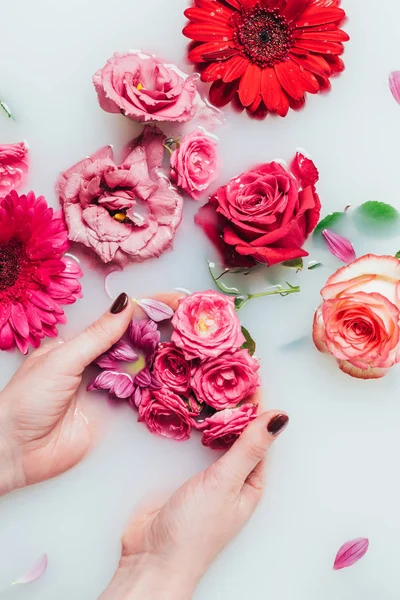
[{"x": 35, "y": 278}]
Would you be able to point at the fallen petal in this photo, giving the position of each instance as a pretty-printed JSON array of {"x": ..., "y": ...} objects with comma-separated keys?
[
  {"x": 350, "y": 553},
  {"x": 394, "y": 84},
  {"x": 339, "y": 246},
  {"x": 35, "y": 572},
  {"x": 156, "y": 311}
]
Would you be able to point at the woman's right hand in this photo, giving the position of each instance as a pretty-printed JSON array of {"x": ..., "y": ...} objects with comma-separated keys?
[{"x": 166, "y": 552}]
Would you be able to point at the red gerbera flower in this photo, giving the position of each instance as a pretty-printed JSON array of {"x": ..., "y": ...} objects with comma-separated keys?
[
  {"x": 35, "y": 278},
  {"x": 266, "y": 54}
]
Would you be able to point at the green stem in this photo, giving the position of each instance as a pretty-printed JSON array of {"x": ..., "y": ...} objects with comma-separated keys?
[
  {"x": 242, "y": 301},
  {"x": 6, "y": 109}
]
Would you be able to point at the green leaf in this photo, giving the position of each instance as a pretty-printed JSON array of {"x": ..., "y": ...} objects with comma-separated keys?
[
  {"x": 329, "y": 222},
  {"x": 397, "y": 255},
  {"x": 373, "y": 210},
  {"x": 249, "y": 344},
  {"x": 296, "y": 263},
  {"x": 314, "y": 266}
]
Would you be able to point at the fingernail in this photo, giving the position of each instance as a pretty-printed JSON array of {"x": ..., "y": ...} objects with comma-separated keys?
[
  {"x": 277, "y": 424},
  {"x": 120, "y": 304}
]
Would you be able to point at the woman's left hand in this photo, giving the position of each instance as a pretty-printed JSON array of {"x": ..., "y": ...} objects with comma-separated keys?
[{"x": 43, "y": 431}]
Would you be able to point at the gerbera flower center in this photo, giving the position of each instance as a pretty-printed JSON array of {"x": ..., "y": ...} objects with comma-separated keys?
[
  {"x": 11, "y": 257},
  {"x": 264, "y": 35}
]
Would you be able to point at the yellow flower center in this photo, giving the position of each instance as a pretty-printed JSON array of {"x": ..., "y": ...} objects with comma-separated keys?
[
  {"x": 139, "y": 86},
  {"x": 120, "y": 217},
  {"x": 205, "y": 325}
]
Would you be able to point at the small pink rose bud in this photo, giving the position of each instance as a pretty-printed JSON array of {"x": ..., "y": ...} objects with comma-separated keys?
[
  {"x": 350, "y": 553},
  {"x": 339, "y": 246}
]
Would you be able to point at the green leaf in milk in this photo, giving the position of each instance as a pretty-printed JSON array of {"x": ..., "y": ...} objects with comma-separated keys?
[
  {"x": 296, "y": 263},
  {"x": 379, "y": 212},
  {"x": 397, "y": 255},
  {"x": 249, "y": 344},
  {"x": 329, "y": 222}
]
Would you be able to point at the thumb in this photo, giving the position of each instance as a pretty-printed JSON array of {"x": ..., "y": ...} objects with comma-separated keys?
[
  {"x": 251, "y": 447},
  {"x": 83, "y": 349}
]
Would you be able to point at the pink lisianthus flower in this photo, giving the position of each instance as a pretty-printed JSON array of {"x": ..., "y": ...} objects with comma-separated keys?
[
  {"x": 126, "y": 366},
  {"x": 145, "y": 89},
  {"x": 194, "y": 163},
  {"x": 358, "y": 320},
  {"x": 226, "y": 381},
  {"x": 165, "y": 414},
  {"x": 171, "y": 368},
  {"x": 206, "y": 325},
  {"x": 13, "y": 166},
  {"x": 127, "y": 212},
  {"x": 221, "y": 430}
]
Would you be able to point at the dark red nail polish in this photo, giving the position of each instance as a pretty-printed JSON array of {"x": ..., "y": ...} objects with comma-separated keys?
[
  {"x": 120, "y": 304},
  {"x": 277, "y": 423}
]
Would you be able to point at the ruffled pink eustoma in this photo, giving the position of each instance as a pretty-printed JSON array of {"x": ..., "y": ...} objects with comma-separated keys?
[
  {"x": 222, "y": 430},
  {"x": 358, "y": 320},
  {"x": 145, "y": 89},
  {"x": 35, "y": 278},
  {"x": 124, "y": 213},
  {"x": 13, "y": 166},
  {"x": 206, "y": 325}
]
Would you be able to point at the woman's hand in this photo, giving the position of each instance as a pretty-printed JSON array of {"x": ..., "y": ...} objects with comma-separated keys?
[
  {"x": 43, "y": 431},
  {"x": 165, "y": 553}
]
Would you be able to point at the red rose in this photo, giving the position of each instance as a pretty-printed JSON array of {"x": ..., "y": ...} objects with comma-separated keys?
[
  {"x": 171, "y": 368},
  {"x": 222, "y": 429},
  {"x": 165, "y": 414},
  {"x": 264, "y": 215}
]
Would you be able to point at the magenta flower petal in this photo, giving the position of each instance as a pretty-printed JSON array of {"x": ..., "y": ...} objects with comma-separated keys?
[
  {"x": 339, "y": 246},
  {"x": 103, "y": 381},
  {"x": 394, "y": 84},
  {"x": 350, "y": 553},
  {"x": 123, "y": 386},
  {"x": 35, "y": 572},
  {"x": 156, "y": 311},
  {"x": 122, "y": 351}
]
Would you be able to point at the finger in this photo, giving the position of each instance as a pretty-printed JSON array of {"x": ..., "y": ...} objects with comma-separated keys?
[
  {"x": 251, "y": 447},
  {"x": 256, "y": 478},
  {"x": 84, "y": 348}
]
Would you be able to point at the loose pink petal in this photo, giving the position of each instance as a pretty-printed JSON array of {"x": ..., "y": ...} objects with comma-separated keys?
[
  {"x": 35, "y": 572},
  {"x": 394, "y": 84},
  {"x": 339, "y": 246},
  {"x": 350, "y": 553},
  {"x": 156, "y": 311}
]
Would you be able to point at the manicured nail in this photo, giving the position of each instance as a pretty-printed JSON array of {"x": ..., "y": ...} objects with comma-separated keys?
[
  {"x": 277, "y": 423},
  {"x": 120, "y": 304}
]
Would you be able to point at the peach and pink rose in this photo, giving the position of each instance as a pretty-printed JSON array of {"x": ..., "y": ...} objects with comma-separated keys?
[
  {"x": 206, "y": 325},
  {"x": 145, "y": 89},
  {"x": 224, "y": 427},
  {"x": 165, "y": 414},
  {"x": 171, "y": 368},
  {"x": 358, "y": 320},
  {"x": 13, "y": 166},
  {"x": 124, "y": 212},
  {"x": 226, "y": 381},
  {"x": 194, "y": 163}
]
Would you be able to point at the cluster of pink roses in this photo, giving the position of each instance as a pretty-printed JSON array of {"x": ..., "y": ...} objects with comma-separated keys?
[
  {"x": 201, "y": 379},
  {"x": 130, "y": 211}
]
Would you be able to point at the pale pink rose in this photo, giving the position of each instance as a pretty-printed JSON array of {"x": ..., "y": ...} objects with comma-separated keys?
[
  {"x": 358, "y": 320},
  {"x": 206, "y": 325},
  {"x": 223, "y": 429},
  {"x": 225, "y": 381},
  {"x": 165, "y": 413},
  {"x": 171, "y": 368},
  {"x": 127, "y": 212},
  {"x": 145, "y": 89},
  {"x": 194, "y": 164},
  {"x": 13, "y": 166}
]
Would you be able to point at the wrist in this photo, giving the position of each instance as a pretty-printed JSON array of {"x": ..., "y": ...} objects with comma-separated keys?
[
  {"x": 144, "y": 576},
  {"x": 11, "y": 476}
]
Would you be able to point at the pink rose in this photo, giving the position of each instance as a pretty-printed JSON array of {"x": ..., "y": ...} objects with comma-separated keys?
[
  {"x": 194, "y": 163},
  {"x": 13, "y": 166},
  {"x": 358, "y": 320},
  {"x": 206, "y": 325},
  {"x": 127, "y": 212},
  {"x": 225, "y": 381},
  {"x": 171, "y": 368},
  {"x": 145, "y": 89},
  {"x": 165, "y": 414},
  {"x": 223, "y": 429}
]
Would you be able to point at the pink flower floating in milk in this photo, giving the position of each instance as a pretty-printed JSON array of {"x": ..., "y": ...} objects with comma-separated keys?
[{"x": 203, "y": 378}]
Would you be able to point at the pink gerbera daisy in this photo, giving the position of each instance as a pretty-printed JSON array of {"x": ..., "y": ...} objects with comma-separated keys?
[{"x": 35, "y": 278}]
